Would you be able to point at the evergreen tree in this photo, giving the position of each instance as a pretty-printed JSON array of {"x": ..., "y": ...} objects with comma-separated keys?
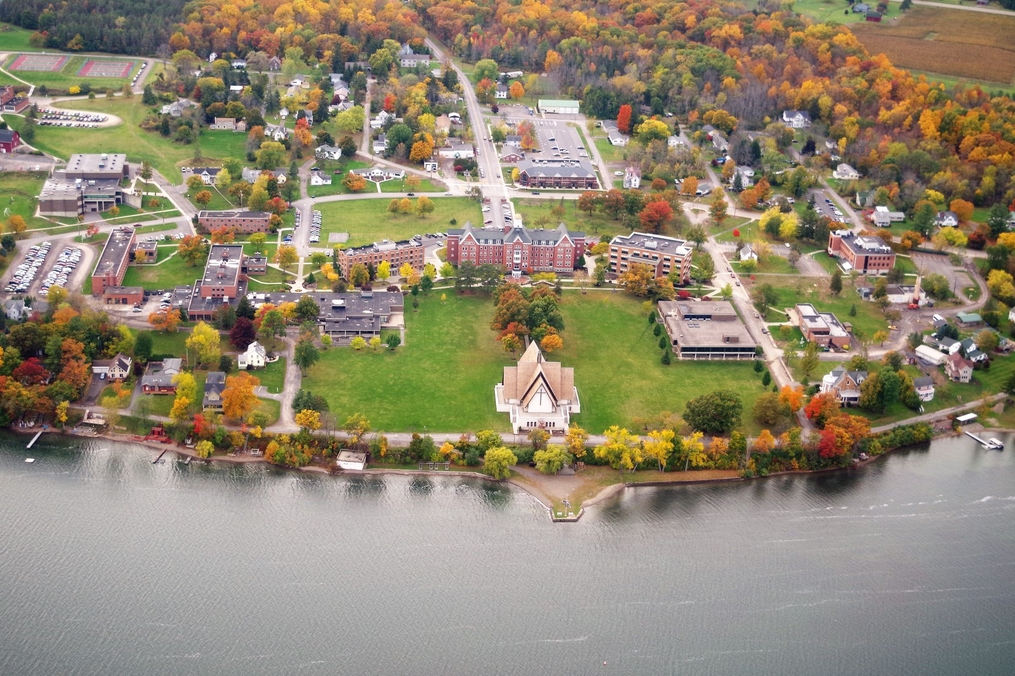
[{"x": 836, "y": 284}]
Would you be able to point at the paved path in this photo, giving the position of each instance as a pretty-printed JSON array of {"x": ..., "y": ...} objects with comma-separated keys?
[{"x": 943, "y": 413}]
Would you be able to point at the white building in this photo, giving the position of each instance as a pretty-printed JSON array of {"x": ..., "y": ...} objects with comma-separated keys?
[
  {"x": 351, "y": 460},
  {"x": 537, "y": 393},
  {"x": 796, "y": 119},
  {"x": 844, "y": 172},
  {"x": 253, "y": 358},
  {"x": 327, "y": 152},
  {"x": 456, "y": 150},
  {"x": 632, "y": 178}
]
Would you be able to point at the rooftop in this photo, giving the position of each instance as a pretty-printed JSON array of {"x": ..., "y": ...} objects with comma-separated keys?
[
  {"x": 863, "y": 245},
  {"x": 704, "y": 324},
  {"x": 658, "y": 243},
  {"x": 223, "y": 267},
  {"x": 115, "y": 251},
  {"x": 111, "y": 163}
]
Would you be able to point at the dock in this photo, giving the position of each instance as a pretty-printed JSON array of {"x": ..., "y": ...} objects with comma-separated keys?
[
  {"x": 156, "y": 460},
  {"x": 34, "y": 439},
  {"x": 983, "y": 442}
]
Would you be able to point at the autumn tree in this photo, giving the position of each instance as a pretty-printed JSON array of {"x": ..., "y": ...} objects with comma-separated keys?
[
  {"x": 193, "y": 249},
  {"x": 286, "y": 255},
  {"x": 167, "y": 322},
  {"x": 308, "y": 420},
  {"x": 576, "y": 438},
  {"x": 238, "y": 397},
  {"x": 204, "y": 340},
  {"x": 718, "y": 210},
  {"x": 792, "y": 397},
  {"x": 659, "y": 447},
  {"x": 551, "y": 342},
  {"x": 621, "y": 449},
  {"x": 624, "y": 119},
  {"x": 655, "y": 216},
  {"x": 552, "y": 459},
  {"x": 353, "y": 182}
]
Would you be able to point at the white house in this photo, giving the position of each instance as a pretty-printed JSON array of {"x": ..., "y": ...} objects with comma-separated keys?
[
  {"x": 253, "y": 358},
  {"x": 381, "y": 119},
  {"x": 946, "y": 219},
  {"x": 455, "y": 118},
  {"x": 457, "y": 150},
  {"x": 632, "y": 178},
  {"x": 674, "y": 142},
  {"x": 117, "y": 368},
  {"x": 276, "y": 132},
  {"x": 796, "y": 119},
  {"x": 380, "y": 145},
  {"x": 844, "y": 172},
  {"x": 746, "y": 175},
  {"x": 883, "y": 218},
  {"x": 317, "y": 178},
  {"x": 327, "y": 152},
  {"x": 239, "y": 64},
  {"x": 15, "y": 309},
  {"x": 747, "y": 253},
  {"x": 924, "y": 388},
  {"x": 502, "y": 92},
  {"x": 537, "y": 393}
]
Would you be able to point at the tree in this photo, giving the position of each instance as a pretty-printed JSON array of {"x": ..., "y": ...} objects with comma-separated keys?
[
  {"x": 516, "y": 90},
  {"x": 768, "y": 410},
  {"x": 719, "y": 207},
  {"x": 821, "y": 407},
  {"x": 143, "y": 347},
  {"x": 359, "y": 275},
  {"x": 286, "y": 255},
  {"x": 987, "y": 340},
  {"x": 354, "y": 182},
  {"x": 792, "y": 397},
  {"x": 393, "y": 341},
  {"x": 204, "y": 340},
  {"x": 717, "y": 412},
  {"x": 243, "y": 333},
  {"x": 835, "y": 286},
  {"x": 424, "y": 206},
  {"x": 659, "y": 447},
  {"x": 551, "y": 460},
  {"x": 204, "y": 448},
  {"x": 486, "y": 69},
  {"x": 576, "y": 438},
  {"x": 383, "y": 270},
  {"x": 305, "y": 354},
  {"x": 655, "y": 216},
  {"x": 272, "y": 326},
  {"x": 624, "y": 119},
  {"x": 308, "y": 420},
  {"x": 167, "y": 322},
  {"x": 498, "y": 462},
  {"x": 238, "y": 397},
  {"x": 193, "y": 249},
  {"x": 551, "y": 342},
  {"x": 622, "y": 450}
]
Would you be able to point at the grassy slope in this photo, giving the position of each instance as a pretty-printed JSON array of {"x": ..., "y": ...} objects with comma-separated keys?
[
  {"x": 867, "y": 321},
  {"x": 19, "y": 190}
]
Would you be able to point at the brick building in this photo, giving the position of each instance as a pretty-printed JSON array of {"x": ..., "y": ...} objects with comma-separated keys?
[
  {"x": 243, "y": 221},
  {"x": 663, "y": 254},
  {"x": 569, "y": 174},
  {"x": 706, "y": 330},
  {"x": 222, "y": 283},
  {"x": 146, "y": 252},
  {"x": 516, "y": 248},
  {"x": 122, "y": 295},
  {"x": 11, "y": 101},
  {"x": 867, "y": 255},
  {"x": 113, "y": 260},
  {"x": 88, "y": 184},
  {"x": 396, "y": 253}
]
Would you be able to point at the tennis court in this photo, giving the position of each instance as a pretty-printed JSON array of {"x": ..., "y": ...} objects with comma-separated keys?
[
  {"x": 95, "y": 68},
  {"x": 52, "y": 63}
]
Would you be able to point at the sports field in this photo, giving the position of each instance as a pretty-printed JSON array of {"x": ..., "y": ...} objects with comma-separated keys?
[
  {"x": 106, "y": 68},
  {"x": 39, "y": 62},
  {"x": 947, "y": 41},
  {"x": 62, "y": 71}
]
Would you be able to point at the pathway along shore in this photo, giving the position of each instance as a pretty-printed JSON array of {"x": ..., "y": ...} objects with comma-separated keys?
[{"x": 549, "y": 491}]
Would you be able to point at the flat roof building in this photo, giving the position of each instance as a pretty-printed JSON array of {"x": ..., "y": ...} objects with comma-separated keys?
[
  {"x": 396, "y": 253},
  {"x": 561, "y": 106},
  {"x": 706, "y": 330},
  {"x": 344, "y": 316},
  {"x": 243, "y": 221},
  {"x": 867, "y": 255},
  {"x": 113, "y": 261},
  {"x": 822, "y": 328},
  {"x": 89, "y": 183},
  {"x": 663, "y": 254}
]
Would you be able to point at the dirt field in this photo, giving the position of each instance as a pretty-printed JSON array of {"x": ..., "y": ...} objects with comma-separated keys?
[{"x": 950, "y": 42}]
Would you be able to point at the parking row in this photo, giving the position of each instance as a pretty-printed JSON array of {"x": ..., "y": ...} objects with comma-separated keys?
[
  {"x": 71, "y": 115},
  {"x": 139, "y": 73},
  {"x": 24, "y": 275},
  {"x": 66, "y": 263},
  {"x": 315, "y": 227}
]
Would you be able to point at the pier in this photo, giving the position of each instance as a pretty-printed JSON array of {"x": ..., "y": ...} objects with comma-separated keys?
[
  {"x": 156, "y": 460},
  {"x": 34, "y": 439}
]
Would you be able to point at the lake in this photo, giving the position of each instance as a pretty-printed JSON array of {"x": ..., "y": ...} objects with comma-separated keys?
[{"x": 112, "y": 565}]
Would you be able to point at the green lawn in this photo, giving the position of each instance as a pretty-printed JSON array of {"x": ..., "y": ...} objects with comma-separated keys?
[
  {"x": 129, "y": 138},
  {"x": 432, "y": 383},
  {"x": 219, "y": 202},
  {"x": 426, "y": 185},
  {"x": 608, "y": 151},
  {"x": 19, "y": 190},
  {"x": 15, "y": 39},
  {"x": 771, "y": 264},
  {"x": 337, "y": 187},
  {"x": 440, "y": 385},
  {"x": 536, "y": 213},
  {"x": 164, "y": 275},
  {"x": 272, "y": 376},
  {"x": 368, "y": 220}
]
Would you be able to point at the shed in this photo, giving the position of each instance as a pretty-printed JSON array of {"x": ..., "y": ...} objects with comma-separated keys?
[
  {"x": 966, "y": 419},
  {"x": 351, "y": 460},
  {"x": 930, "y": 355}
]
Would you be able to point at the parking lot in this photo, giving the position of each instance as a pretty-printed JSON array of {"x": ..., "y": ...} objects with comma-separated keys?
[
  {"x": 315, "y": 226},
  {"x": 824, "y": 206},
  {"x": 23, "y": 277},
  {"x": 62, "y": 273},
  {"x": 555, "y": 139}
]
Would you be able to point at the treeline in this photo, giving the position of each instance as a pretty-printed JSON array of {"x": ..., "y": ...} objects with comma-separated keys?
[{"x": 118, "y": 26}]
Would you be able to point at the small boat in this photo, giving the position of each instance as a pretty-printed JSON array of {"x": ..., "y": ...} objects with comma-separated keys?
[
  {"x": 29, "y": 459},
  {"x": 995, "y": 444}
]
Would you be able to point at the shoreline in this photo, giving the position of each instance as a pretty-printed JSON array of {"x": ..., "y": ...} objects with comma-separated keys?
[{"x": 534, "y": 492}]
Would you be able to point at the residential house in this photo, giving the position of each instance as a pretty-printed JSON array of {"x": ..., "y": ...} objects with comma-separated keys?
[
  {"x": 284, "y": 113},
  {"x": 861, "y": 8},
  {"x": 972, "y": 352},
  {"x": 380, "y": 145},
  {"x": 958, "y": 368},
  {"x": 176, "y": 109},
  {"x": 746, "y": 175},
  {"x": 873, "y": 15},
  {"x": 319, "y": 178},
  {"x": 276, "y": 132},
  {"x": 455, "y": 118},
  {"x": 251, "y": 175},
  {"x": 537, "y": 394},
  {"x": 255, "y": 357},
  {"x": 796, "y": 119},
  {"x": 674, "y": 142},
  {"x": 865, "y": 199},
  {"x": 844, "y": 384},
  {"x": 457, "y": 150},
  {"x": 274, "y": 63},
  {"x": 442, "y": 125},
  {"x": 214, "y": 385},
  {"x": 614, "y": 135},
  {"x": 924, "y": 388},
  {"x": 844, "y": 172},
  {"x": 239, "y": 64},
  {"x": 117, "y": 368},
  {"x": 381, "y": 119},
  {"x": 946, "y": 219},
  {"x": 207, "y": 174},
  {"x": 720, "y": 143},
  {"x": 9, "y": 140},
  {"x": 513, "y": 157},
  {"x": 882, "y": 217},
  {"x": 502, "y": 92},
  {"x": 414, "y": 60},
  {"x": 327, "y": 152},
  {"x": 16, "y": 310},
  {"x": 632, "y": 178},
  {"x": 158, "y": 377},
  {"x": 747, "y": 253},
  {"x": 513, "y": 140},
  {"x": 228, "y": 124}
]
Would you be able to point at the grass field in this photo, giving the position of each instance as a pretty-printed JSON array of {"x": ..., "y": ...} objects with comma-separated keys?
[
  {"x": 535, "y": 213},
  {"x": 440, "y": 385},
  {"x": 272, "y": 376},
  {"x": 129, "y": 138},
  {"x": 18, "y": 192},
  {"x": 426, "y": 185},
  {"x": 951, "y": 42},
  {"x": 608, "y": 151},
  {"x": 164, "y": 275},
  {"x": 368, "y": 220},
  {"x": 336, "y": 187},
  {"x": 15, "y": 39},
  {"x": 834, "y": 11}
]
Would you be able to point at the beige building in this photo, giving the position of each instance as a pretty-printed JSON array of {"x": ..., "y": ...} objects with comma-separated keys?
[
  {"x": 708, "y": 330},
  {"x": 537, "y": 393}
]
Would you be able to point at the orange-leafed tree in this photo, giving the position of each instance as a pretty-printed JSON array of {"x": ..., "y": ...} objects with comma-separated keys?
[
  {"x": 223, "y": 235},
  {"x": 765, "y": 442},
  {"x": 689, "y": 186},
  {"x": 238, "y": 397},
  {"x": 792, "y": 397},
  {"x": 821, "y": 407},
  {"x": 624, "y": 119},
  {"x": 551, "y": 342},
  {"x": 167, "y": 322},
  {"x": 655, "y": 216}
]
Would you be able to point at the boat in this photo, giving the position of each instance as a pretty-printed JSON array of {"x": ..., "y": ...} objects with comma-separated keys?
[
  {"x": 29, "y": 459},
  {"x": 995, "y": 444}
]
